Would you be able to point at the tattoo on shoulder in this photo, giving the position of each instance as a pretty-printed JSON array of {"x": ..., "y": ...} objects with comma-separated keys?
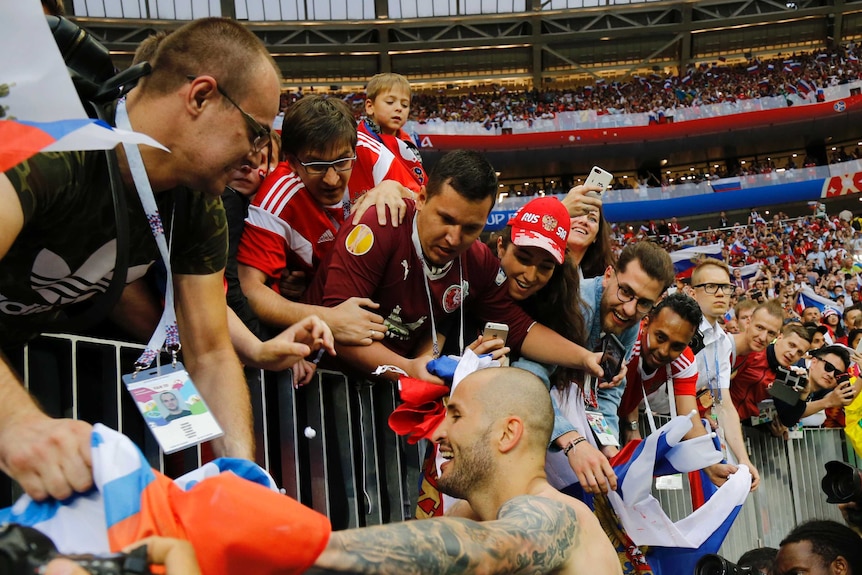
[{"x": 531, "y": 535}]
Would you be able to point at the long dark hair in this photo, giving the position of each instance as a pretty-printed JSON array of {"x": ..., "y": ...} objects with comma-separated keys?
[
  {"x": 599, "y": 254},
  {"x": 558, "y": 307}
]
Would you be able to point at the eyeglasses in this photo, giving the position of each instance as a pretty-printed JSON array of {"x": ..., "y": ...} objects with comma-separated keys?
[
  {"x": 712, "y": 289},
  {"x": 320, "y": 168},
  {"x": 260, "y": 135},
  {"x": 625, "y": 294},
  {"x": 829, "y": 367}
]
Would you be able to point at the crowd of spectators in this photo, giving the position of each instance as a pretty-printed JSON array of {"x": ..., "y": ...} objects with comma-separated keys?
[
  {"x": 783, "y": 255},
  {"x": 803, "y": 74}
]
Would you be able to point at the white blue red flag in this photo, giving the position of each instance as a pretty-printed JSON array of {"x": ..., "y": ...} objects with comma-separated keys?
[
  {"x": 685, "y": 259},
  {"x": 675, "y": 547},
  {"x": 807, "y": 298},
  {"x": 39, "y": 107},
  {"x": 229, "y": 510}
]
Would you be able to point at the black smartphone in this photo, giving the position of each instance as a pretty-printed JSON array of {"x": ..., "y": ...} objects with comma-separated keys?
[{"x": 613, "y": 353}]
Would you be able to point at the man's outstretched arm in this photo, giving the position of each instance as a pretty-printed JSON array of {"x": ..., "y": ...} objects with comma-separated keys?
[{"x": 531, "y": 535}]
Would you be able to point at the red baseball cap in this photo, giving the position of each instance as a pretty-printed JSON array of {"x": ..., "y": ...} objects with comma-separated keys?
[{"x": 542, "y": 223}]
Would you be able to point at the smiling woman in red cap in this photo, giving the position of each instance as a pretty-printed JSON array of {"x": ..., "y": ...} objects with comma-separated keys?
[{"x": 539, "y": 276}]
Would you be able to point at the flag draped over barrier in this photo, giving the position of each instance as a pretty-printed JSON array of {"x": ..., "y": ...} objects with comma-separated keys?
[
  {"x": 674, "y": 547},
  {"x": 229, "y": 510}
]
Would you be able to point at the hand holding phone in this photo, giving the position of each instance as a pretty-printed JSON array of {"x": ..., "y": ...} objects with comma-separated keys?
[
  {"x": 612, "y": 356},
  {"x": 599, "y": 178},
  {"x": 496, "y": 331}
]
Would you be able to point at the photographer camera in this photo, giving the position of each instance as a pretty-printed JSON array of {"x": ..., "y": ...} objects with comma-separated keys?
[
  {"x": 756, "y": 562},
  {"x": 24, "y": 550},
  {"x": 759, "y": 363},
  {"x": 177, "y": 557}
]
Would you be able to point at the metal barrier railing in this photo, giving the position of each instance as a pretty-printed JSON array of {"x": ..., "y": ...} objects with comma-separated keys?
[
  {"x": 789, "y": 492},
  {"x": 329, "y": 444}
]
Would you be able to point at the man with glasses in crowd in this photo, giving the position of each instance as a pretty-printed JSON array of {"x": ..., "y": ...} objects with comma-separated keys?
[
  {"x": 711, "y": 288},
  {"x": 58, "y": 239},
  {"x": 296, "y": 214},
  {"x": 615, "y": 303}
]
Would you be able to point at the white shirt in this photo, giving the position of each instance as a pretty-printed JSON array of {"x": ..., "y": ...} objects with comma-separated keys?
[{"x": 713, "y": 361}]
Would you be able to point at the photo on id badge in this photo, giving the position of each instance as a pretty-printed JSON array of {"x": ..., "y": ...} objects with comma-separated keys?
[{"x": 172, "y": 407}]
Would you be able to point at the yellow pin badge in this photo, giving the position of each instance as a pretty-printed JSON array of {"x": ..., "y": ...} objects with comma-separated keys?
[{"x": 359, "y": 240}]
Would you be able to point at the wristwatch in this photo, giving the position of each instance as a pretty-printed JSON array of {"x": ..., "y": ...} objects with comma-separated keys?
[{"x": 633, "y": 425}]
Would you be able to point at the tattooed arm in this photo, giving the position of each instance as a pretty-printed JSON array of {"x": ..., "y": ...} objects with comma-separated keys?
[{"x": 531, "y": 535}]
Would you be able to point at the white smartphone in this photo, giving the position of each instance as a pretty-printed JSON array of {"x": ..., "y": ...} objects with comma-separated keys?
[
  {"x": 599, "y": 177},
  {"x": 495, "y": 330}
]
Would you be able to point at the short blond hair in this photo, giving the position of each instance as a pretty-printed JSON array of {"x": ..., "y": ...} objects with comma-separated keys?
[
  {"x": 385, "y": 82},
  {"x": 705, "y": 262}
]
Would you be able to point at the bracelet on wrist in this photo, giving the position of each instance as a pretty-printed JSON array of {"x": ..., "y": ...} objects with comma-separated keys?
[{"x": 572, "y": 444}]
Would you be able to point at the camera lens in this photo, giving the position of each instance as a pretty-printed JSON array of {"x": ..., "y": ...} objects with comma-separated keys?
[
  {"x": 842, "y": 483},
  {"x": 718, "y": 565}
]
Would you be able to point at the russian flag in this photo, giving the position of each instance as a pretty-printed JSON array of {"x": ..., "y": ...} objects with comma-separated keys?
[
  {"x": 42, "y": 110},
  {"x": 852, "y": 57},
  {"x": 686, "y": 79},
  {"x": 22, "y": 140},
  {"x": 791, "y": 88},
  {"x": 753, "y": 69},
  {"x": 807, "y": 298},
  {"x": 737, "y": 249},
  {"x": 770, "y": 67},
  {"x": 269, "y": 532},
  {"x": 795, "y": 65},
  {"x": 803, "y": 86},
  {"x": 685, "y": 259},
  {"x": 674, "y": 548},
  {"x": 748, "y": 271},
  {"x": 727, "y": 185}
]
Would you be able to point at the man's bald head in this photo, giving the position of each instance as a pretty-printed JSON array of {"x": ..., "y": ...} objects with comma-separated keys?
[{"x": 510, "y": 391}]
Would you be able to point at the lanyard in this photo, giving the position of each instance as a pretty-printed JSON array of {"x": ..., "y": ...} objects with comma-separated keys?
[
  {"x": 715, "y": 391},
  {"x": 426, "y": 273},
  {"x": 671, "y": 399},
  {"x": 166, "y": 332}
]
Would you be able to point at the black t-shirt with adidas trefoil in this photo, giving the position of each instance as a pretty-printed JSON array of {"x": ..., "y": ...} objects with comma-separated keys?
[{"x": 66, "y": 250}]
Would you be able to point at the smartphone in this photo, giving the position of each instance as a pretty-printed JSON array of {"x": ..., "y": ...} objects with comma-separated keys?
[
  {"x": 612, "y": 356},
  {"x": 600, "y": 178},
  {"x": 495, "y": 330}
]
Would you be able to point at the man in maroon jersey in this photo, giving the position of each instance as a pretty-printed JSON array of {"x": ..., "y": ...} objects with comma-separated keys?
[{"x": 423, "y": 271}]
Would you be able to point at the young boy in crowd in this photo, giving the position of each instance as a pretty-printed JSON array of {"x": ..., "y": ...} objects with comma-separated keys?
[{"x": 387, "y": 107}]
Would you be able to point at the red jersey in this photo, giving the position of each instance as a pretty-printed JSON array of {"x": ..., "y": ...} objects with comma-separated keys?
[
  {"x": 682, "y": 371},
  {"x": 749, "y": 380},
  {"x": 404, "y": 150},
  {"x": 375, "y": 163},
  {"x": 286, "y": 228},
  {"x": 381, "y": 263}
]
